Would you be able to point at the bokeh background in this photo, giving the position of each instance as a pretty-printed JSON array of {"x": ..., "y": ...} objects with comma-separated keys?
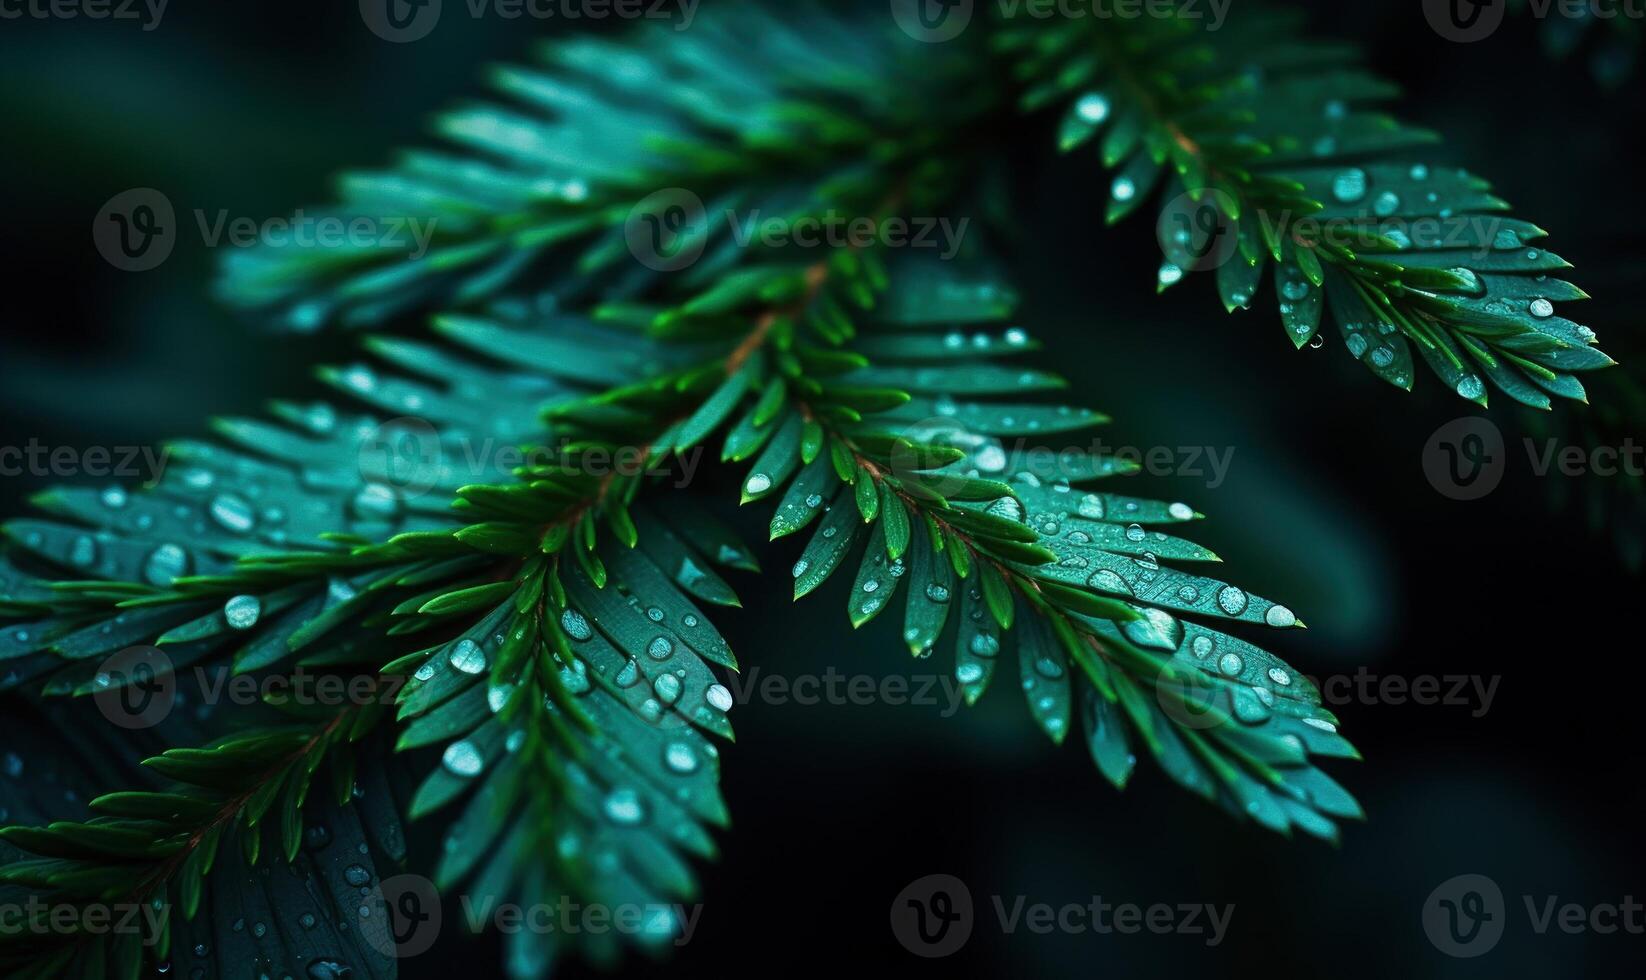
[{"x": 250, "y": 107}]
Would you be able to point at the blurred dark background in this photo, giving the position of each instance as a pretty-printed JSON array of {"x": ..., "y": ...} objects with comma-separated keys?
[{"x": 251, "y": 107}]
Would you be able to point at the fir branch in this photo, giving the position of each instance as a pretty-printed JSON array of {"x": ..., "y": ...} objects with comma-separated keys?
[{"x": 1268, "y": 147}]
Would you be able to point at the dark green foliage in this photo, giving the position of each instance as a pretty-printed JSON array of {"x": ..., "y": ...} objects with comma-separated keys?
[
  {"x": 494, "y": 531},
  {"x": 1269, "y": 148}
]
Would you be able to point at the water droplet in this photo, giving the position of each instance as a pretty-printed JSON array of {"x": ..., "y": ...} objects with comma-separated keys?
[
  {"x": 800, "y": 567},
  {"x": 1231, "y": 600},
  {"x": 814, "y": 500},
  {"x": 1109, "y": 581},
  {"x": 654, "y": 614},
  {"x": 114, "y": 498},
  {"x": 1386, "y": 204},
  {"x": 1092, "y": 108},
  {"x": 660, "y": 648},
  {"x": 1123, "y": 189},
  {"x": 1134, "y": 532},
  {"x": 1383, "y": 357},
  {"x": 1470, "y": 386},
  {"x": 1280, "y": 677},
  {"x": 1294, "y": 289},
  {"x": 1541, "y": 307},
  {"x": 498, "y": 697},
  {"x": 871, "y": 585},
  {"x": 1349, "y": 186},
  {"x": 623, "y": 807},
  {"x": 1170, "y": 274},
  {"x": 233, "y": 513},
  {"x": 1321, "y": 724},
  {"x": 574, "y": 625},
  {"x": 242, "y": 611},
  {"x": 718, "y": 697},
  {"x": 991, "y": 459},
  {"x": 1230, "y": 664},
  {"x": 165, "y": 564},
  {"x": 575, "y": 677},
  {"x": 1007, "y": 508},
  {"x": 679, "y": 757},
  {"x": 937, "y": 593},
  {"x": 357, "y": 875},
  {"x": 667, "y": 688},
  {"x": 628, "y": 676},
  {"x": 984, "y": 645},
  {"x": 757, "y": 483},
  {"x": 84, "y": 552},
  {"x": 1201, "y": 645},
  {"x": 462, "y": 759},
  {"x": 1278, "y": 615},
  {"x": 377, "y": 502},
  {"x": 467, "y": 657},
  {"x": 1016, "y": 337},
  {"x": 969, "y": 673}
]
